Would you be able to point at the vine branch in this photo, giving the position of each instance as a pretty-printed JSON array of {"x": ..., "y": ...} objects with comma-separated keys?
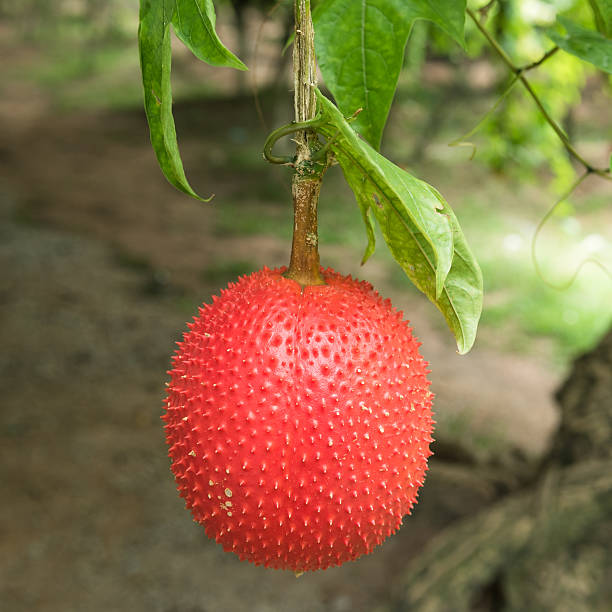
[
  {"x": 519, "y": 72},
  {"x": 519, "y": 75},
  {"x": 537, "y": 63},
  {"x": 484, "y": 10},
  {"x": 549, "y": 213},
  {"x": 462, "y": 140}
]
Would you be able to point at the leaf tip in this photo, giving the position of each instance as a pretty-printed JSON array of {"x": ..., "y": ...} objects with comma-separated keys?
[
  {"x": 463, "y": 349},
  {"x": 208, "y": 199},
  {"x": 369, "y": 251},
  {"x": 240, "y": 65}
]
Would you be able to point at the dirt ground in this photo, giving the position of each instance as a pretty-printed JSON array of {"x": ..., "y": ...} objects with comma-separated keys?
[{"x": 101, "y": 266}]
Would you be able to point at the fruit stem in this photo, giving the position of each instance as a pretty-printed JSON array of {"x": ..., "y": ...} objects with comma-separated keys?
[{"x": 304, "y": 265}]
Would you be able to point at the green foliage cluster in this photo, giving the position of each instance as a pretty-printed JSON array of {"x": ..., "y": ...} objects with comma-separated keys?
[
  {"x": 418, "y": 225},
  {"x": 517, "y": 138},
  {"x": 361, "y": 48}
]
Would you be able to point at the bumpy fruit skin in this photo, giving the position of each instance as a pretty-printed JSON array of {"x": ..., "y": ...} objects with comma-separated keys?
[{"x": 299, "y": 421}]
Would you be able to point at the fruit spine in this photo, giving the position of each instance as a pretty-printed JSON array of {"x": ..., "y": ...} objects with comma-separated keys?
[{"x": 299, "y": 420}]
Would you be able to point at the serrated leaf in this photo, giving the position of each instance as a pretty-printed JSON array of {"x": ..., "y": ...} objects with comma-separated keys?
[
  {"x": 154, "y": 43},
  {"x": 194, "y": 23},
  {"x": 360, "y": 49},
  {"x": 587, "y": 45},
  {"x": 419, "y": 227},
  {"x": 602, "y": 12}
]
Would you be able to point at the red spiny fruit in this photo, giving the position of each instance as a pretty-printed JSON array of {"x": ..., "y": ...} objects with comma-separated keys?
[{"x": 299, "y": 421}]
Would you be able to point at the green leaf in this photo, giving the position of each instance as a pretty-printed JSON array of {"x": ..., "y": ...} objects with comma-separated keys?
[
  {"x": 360, "y": 49},
  {"x": 587, "y": 45},
  {"x": 419, "y": 227},
  {"x": 194, "y": 23},
  {"x": 602, "y": 11},
  {"x": 155, "y": 61}
]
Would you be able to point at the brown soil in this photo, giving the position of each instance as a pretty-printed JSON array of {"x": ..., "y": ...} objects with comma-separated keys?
[{"x": 101, "y": 265}]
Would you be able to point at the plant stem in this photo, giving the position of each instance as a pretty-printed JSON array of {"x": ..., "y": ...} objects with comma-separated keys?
[
  {"x": 306, "y": 183},
  {"x": 304, "y": 74},
  {"x": 539, "y": 62}
]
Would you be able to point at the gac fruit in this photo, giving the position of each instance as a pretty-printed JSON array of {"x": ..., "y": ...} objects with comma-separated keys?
[{"x": 299, "y": 420}]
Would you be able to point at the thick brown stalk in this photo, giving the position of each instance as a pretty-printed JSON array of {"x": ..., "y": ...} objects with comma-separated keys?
[{"x": 306, "y": 183}]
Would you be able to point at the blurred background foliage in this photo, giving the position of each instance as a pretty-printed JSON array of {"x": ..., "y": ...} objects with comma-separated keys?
[{"x": 81, "y": 55}]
